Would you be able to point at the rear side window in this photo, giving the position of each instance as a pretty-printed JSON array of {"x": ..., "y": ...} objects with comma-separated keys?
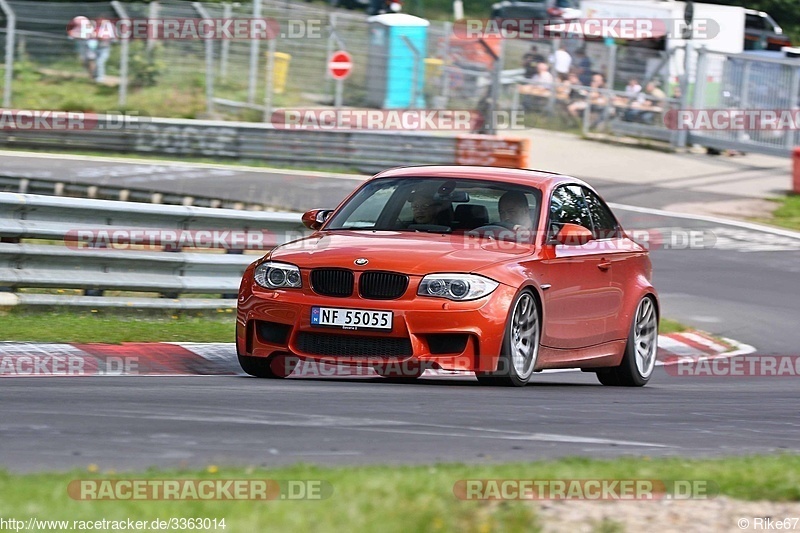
[
  {"x": 568, "y": 207},
  {"x": 605, "y": 225}
]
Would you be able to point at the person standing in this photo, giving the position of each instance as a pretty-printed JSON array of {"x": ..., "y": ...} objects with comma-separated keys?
[
  {"x": 584, "y": 67},
  {"x": 106, "y": 35},
  {"x": 82, "y": 31},
  {"x": 562, "y": 62}
]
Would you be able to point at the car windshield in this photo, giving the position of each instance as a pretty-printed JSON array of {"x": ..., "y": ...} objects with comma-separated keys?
[{"x": 440, "y": 205}]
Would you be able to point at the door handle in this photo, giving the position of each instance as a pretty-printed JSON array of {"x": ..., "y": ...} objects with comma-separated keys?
[{"x": 604, "y": 264}]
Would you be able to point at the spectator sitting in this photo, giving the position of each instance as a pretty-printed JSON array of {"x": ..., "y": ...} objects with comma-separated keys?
[
  {"x": 633, "y": 88},
  {"x": 648, "y": 103},
  {"x": 654, "y": 93},
  {"x": 543, "y": 76},
  {"x": 530, "y": 60},
  {"x": 593, "y": 97},
  {"x": 568, "y": 89}
]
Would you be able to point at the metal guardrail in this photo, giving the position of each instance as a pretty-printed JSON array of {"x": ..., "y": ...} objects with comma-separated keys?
[
  {"x": 366, "y": 151},
  {"x": 58, "y": 266},
  {"x": 60, "y": 187}
]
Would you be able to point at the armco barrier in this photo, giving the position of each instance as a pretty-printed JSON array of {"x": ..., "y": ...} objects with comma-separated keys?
[
  {"x": 492, "y": 151},
  {"x": 58, "y": 266},
  {"x": 364, "y": 150},
  {"x": 57, "y": 187}
]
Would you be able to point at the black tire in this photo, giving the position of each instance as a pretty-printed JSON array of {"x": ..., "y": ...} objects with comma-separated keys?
[
  {"x": 487, "y": 379},
  {"x": 276, "y": 367},
  {"x": 629, "y": 373},
  {"x": 507, "y": 373}
]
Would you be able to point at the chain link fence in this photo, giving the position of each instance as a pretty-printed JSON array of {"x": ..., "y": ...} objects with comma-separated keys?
[{"x": 605, "y": 87}]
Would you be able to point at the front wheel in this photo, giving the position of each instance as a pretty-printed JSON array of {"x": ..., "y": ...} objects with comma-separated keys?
[
  {"x": 639, "y": 360},
  {"x": 520, "y": 344}
]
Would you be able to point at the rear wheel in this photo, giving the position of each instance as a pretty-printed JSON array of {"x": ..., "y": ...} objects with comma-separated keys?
[
  {"x": 275, "y": 367},
  {"x": 639, "y": 360},
  {"x": 520, "y": 344}
]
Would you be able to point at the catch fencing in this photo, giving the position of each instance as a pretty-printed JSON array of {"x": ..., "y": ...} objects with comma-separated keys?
[
  {"x": 247, "y": 80},
  {"x": 747, "y": 82}
]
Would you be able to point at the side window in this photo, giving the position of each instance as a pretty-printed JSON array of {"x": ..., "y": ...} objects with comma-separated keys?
[
  {"x": 568, "y": 207},
  {"x": 752, "y": 22},
  {"x": 605, "y": 225}
]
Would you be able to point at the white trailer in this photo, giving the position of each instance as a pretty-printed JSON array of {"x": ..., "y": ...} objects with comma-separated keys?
[{"x": 718, "y": 28}]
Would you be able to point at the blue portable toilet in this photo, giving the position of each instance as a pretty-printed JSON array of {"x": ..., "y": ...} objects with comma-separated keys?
[{"x": 391, "y": 61}]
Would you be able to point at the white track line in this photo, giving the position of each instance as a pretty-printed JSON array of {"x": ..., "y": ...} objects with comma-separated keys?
[{"x": 707, "y": 218}]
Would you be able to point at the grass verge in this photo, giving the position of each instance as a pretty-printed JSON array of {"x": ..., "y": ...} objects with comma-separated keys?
[
  {"x": 113, "y": 326},
  {"x": 391, "y": 498},
  {"x": 116, "y": 326},
  {"x": 670, "y": 326},
  {"x": 787, "y": 214}
]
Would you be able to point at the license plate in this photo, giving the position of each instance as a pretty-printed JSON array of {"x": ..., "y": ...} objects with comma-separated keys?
[{"x": 351, "y": 318}]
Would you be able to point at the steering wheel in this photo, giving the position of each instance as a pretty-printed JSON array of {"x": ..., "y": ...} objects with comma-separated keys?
[
  {"x": 500, "y": 230},
  {"x": 497, "y": 226}
]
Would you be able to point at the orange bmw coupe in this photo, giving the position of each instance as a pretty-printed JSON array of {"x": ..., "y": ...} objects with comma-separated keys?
[{"x": 501, "y": 272}]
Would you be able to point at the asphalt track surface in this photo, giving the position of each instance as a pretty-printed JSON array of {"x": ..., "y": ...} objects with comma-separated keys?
[{"x": 745, "y": 287}]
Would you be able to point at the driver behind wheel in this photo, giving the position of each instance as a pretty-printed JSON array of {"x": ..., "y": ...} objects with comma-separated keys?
[{"x": 426, "y": 208}]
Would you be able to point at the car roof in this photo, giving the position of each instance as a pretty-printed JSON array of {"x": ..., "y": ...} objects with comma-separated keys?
[{"x": 541, "y": 179}]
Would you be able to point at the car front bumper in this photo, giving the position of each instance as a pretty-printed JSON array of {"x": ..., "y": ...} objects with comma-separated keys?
[{"x": 437, "y": 332}]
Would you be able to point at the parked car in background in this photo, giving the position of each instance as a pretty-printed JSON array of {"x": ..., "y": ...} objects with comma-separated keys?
[
  {"x": 372, "y": 7},
  {"x": 555, "y": 10},
  {"x": 761, "y": 32}
]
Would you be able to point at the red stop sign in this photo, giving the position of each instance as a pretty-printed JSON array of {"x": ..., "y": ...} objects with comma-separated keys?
[{"x": 340, "y": 65}]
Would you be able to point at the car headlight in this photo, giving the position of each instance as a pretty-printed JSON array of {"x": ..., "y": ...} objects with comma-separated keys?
[
  {"x": 456, "y": 286},
  {"x": 278, "y": 276}
]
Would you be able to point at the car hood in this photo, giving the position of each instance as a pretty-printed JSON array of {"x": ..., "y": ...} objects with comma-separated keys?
[{"x": 406, "y": 252}]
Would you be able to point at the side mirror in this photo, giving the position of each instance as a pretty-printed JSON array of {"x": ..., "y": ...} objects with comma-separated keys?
[
  {"x": 315, "y": 218},
  {"x": 573, "y": 235}
]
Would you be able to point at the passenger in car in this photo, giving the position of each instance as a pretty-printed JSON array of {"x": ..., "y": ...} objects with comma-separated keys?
[{"x": 514, "y": 211}]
